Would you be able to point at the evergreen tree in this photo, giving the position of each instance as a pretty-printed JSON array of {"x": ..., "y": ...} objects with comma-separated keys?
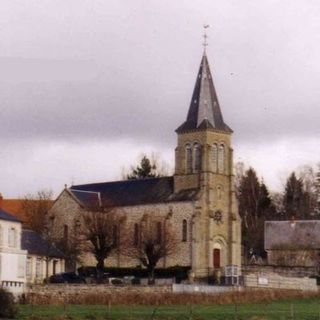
[
  {"x": 255, "y": 206},
  {"x": 295, "y": 199},
  {"x": 144, "y": 170}
]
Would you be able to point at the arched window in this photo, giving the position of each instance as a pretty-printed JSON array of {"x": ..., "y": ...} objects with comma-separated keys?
[
  {"x": 184, "y": 230},
  {"x": 214, "y": 157},
  {"x": 136, "y": 235},
  {"x": 197, "y": 157},
  {"x": 159, "y": 232},
  {"x": 115, "y": 236},
  {"x": 221, "y": 156},
  {"x": 188, "y": 158},
  {"x": 66, "y": 234}
]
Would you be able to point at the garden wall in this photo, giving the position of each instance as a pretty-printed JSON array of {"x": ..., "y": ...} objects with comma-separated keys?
[{"x": 73, "y": 293}]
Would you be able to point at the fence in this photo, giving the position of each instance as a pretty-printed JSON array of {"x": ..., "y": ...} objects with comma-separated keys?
[
  {"x": 193, "y": 288},
  {"x": 276, "y": 281}
]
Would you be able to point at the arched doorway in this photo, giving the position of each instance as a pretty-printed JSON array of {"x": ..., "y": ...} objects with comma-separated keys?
[
  {"x": 216, "y": 258},
  {"x": 218, "y": 253}
]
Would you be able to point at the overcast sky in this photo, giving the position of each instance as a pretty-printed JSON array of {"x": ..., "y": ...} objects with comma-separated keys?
[{"x": 87, "y": 85}]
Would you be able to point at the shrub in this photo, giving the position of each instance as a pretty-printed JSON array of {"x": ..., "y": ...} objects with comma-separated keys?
[
  {"x": 8, "y": 308},
  {"x": 178, "y": 272}
]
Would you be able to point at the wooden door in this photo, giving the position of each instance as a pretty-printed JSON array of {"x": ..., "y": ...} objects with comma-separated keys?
[{"x": 216, "y": 258}]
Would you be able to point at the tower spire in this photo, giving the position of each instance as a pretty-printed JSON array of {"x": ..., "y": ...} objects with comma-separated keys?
[{"x": 204, "y": 111}]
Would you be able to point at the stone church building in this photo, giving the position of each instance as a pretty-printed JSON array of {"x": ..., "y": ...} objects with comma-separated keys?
[{"x": 198, "y": 200}]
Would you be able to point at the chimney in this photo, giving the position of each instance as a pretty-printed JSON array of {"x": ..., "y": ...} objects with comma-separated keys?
[{"x": 1, "y": 198}]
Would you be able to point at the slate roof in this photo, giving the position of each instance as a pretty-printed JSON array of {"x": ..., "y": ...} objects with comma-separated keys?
[
  {"x": 204, "y": 111},
  {"x": 292, "y": 234},
  {"x": 7, "y": 216},
  {"x": 35, "y": 244},
  {"x": 131, "y": 192}
]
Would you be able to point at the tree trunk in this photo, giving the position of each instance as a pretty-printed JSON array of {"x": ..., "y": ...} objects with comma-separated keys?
[
  {"x": 151, "y": 275},
  {"x": 47, "y": 270},
  {"x": 100, "y": 269}
]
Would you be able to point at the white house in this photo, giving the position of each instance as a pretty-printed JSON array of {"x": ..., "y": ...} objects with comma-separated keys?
[{"x": 12, "y": 257}]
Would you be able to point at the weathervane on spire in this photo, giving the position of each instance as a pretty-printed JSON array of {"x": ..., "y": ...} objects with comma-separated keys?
[{"x": 205, "y": 43}]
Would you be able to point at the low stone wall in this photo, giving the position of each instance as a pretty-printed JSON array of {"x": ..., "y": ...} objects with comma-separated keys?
[
  {"x": 59, "y": 293},
  {"x": 276, "y": 281}
]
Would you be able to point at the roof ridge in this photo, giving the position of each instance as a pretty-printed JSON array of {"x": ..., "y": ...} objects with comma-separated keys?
[{"x": 120, "y": 181}]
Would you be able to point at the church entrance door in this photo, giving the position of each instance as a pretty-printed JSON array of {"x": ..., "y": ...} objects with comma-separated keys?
[{"x": 216, "y": 258}]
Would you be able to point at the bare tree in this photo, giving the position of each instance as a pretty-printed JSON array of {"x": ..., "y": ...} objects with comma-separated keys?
[
  {"x": 35, "y": 209},
  {"x": 102, "y": 233},
  {"x": 151, "y": 240}
]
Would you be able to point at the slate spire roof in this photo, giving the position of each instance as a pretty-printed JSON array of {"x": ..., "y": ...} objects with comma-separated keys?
[{"x": 204, "y": 111}]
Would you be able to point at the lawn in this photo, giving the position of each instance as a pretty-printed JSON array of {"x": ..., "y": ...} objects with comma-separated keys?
[{"x": 304, "y": 309}]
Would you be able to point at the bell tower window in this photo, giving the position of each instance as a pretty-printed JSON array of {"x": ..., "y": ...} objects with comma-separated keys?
[
  {"x": 188, "y": 159},
  {"x": 214, "y": 157},
  {"x": 221, "y": 156},
  {"x": 197, "y": 157}
]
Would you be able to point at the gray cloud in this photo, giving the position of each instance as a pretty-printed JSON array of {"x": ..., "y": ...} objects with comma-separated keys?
[{"x": 79, "y": 72}]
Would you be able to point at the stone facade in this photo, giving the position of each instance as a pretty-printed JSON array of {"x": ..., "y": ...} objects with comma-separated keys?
[
  {"x": 217, "y": 195},
  {"x": 175, "y": 214}
]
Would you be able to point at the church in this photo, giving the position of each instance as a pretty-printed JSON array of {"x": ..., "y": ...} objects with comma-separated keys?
[{"x": 198, "y": 201}]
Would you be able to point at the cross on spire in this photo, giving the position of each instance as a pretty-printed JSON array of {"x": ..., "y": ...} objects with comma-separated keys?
[{"x": 205, "y": 37}]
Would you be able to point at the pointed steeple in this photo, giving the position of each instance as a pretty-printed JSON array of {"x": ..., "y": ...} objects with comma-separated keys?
[{"x": 204, "y": 111}]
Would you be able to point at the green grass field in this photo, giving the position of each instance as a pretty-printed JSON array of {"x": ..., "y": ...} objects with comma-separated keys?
[{"x": 305, "y": 309}]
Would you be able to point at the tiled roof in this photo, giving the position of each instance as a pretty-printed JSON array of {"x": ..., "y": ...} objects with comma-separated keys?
[
  {"x": 131, "y": 192},
  {"x": 7, "y": 216},
  {"x": 35, "y": 244},
  {"x": 204, "y": 111},
  {"x": 14, "y": 206},
  {"x": 292, "y": 234}
]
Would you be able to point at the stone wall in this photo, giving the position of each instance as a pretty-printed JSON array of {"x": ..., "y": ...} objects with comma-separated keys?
[{"x": 73, "y": 293}]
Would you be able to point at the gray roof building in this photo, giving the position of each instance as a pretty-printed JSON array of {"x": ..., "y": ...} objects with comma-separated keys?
[
  {"x": 300, "y": 234},
  {"x": 37, "y": 245}
]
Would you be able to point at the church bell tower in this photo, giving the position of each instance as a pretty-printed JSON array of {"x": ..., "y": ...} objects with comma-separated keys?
[{"x": 204, "y": 161}]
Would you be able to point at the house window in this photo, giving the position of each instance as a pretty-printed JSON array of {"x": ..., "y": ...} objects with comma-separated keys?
[
  {"x": 29, "y": 268},
  {"x": 188, "y": 159},
  {"x": 12, "y": 238},
  {"x": 38, "y": 268},
  {"x": 21, "y": 267},
  {"x": 115, "y": 236},
  {"x": 159, "y": 232},
  {"x": 214, "y": 157},
  {"x": 184, "y": 230},
  {"x": 197, "y": 157},
  {"x": 221, "y": 156},
  {"x": 136, "y": 235}
]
